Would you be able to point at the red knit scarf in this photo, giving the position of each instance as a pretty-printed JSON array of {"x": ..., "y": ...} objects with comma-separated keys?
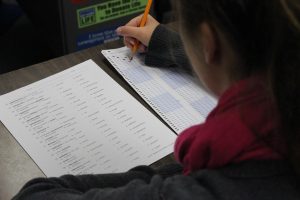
[{"x": 242, "y": 127}]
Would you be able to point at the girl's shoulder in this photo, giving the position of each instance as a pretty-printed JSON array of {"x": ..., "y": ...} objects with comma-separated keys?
[{"x": 246, "y": 180}]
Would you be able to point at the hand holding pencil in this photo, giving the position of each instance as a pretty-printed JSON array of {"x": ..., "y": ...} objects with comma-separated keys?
[
  {"x": 133, "y": 32},
  {"x": 142, "y": 24}
]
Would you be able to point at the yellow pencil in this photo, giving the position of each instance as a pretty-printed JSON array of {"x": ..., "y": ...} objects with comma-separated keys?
[{"x": 142, "y": 23}]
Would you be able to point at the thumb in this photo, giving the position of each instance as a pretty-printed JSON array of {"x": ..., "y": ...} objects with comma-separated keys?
[{"x": 131, "y": 31}]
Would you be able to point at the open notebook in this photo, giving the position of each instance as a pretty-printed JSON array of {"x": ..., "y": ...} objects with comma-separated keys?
[
  {"x": 173, "y": 93},
  {"x": 81, "y": 121}
]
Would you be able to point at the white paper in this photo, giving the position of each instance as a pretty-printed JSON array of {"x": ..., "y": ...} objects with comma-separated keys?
[
  {"x": 81, "y": 121},
  {"x": 174, "y": 94}
]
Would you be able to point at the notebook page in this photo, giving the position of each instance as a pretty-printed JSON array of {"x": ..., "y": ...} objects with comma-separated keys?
[
  {"x": 81, "y": 121},
  {"x": 174, "y": 94}
]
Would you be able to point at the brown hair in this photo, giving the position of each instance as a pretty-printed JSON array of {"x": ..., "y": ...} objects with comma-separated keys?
[{"x": 266, "y": 35}]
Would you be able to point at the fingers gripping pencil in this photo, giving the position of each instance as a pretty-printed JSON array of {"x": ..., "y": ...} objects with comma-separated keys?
[{"x": 142, "y": 24}]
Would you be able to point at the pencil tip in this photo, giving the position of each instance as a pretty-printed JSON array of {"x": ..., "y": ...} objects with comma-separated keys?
[{"x": 130, "y": 59}]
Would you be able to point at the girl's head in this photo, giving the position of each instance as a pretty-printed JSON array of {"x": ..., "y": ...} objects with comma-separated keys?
[{"x": 228, "y": 40}]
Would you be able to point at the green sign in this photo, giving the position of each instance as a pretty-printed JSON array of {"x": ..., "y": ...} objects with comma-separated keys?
[{"x": 109, "y": 10}]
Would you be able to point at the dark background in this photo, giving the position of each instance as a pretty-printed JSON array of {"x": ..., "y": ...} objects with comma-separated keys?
[{"x": 22, "y": 43}]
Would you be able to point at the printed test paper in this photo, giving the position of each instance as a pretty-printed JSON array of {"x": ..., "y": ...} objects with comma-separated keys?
[{"x": 81, "y": 121}]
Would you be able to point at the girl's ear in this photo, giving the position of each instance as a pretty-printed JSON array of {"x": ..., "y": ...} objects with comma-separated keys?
[{"x": 210, "y": 44}]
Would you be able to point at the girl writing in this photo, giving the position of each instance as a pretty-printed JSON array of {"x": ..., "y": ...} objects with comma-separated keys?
[{"x": 246, "y": 53}]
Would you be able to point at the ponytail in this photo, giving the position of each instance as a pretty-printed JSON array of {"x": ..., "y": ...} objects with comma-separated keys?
[{"x": 284, "y": 74}]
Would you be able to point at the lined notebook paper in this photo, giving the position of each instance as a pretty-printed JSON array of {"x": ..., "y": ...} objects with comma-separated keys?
[
  {"x": 173, "y": 93},
  {"x": 81, "y": 121}
]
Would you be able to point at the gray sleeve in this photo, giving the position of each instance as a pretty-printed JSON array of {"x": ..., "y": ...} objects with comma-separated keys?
[
  {"x": 131, "y": 185},
  {"x": 82, "y": 186},
  {"x": 166, "y": 49},
  {"x": 173, "y": 188}
]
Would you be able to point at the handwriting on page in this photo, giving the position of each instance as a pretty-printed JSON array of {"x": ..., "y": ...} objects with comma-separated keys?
[
  {"x": 172, "y": 93},
  {"x": 80, "y": 121}
]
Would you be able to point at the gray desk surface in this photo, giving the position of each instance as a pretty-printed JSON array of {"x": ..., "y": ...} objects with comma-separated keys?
[{"x": 16, "y": 167}]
